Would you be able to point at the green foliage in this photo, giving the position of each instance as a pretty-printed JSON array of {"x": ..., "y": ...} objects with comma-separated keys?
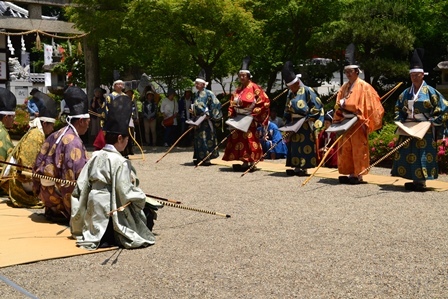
[
  {"x": 22, "y": 119},
  {"x": 377, "y": 29},
  {"x": 21, "y": 122},
  {"x": 315, "y": 74},
  {"x": 37, "y": 64},
  {"x": 381, "y": 142},
  {"x": 173, "y": 39},
  {"x": 287, "y": 28},
  {"x": 71, "y": 65}
]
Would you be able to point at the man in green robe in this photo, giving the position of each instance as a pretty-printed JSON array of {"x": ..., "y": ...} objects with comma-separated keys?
[
  {"x": 20, "y": 188},
  {"x": 8, "y": 105}
]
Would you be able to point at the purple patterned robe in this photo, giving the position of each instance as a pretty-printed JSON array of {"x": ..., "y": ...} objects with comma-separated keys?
[{"x": 64, "y": 160}]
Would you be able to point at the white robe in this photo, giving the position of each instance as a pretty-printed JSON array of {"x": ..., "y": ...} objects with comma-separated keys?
[{"x": 106, "y": 183}]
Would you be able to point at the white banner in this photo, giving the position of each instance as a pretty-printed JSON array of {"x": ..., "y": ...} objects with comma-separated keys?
[
  {"x": 48, "y": 54},
  {"x": 47, "y": 79}
]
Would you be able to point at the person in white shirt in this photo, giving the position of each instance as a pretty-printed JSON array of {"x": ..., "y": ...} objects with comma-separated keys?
[{"x": 169, "y": 108}]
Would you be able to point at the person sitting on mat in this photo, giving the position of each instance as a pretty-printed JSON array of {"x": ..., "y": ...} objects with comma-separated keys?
[{"x": 108, "y": 208}]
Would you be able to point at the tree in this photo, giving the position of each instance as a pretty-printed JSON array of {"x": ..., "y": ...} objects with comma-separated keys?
[
  {"x": 377, "y": 28},
  {"x": 213, "y": 33},
  {"x": 428, "y": 21},
  {"x": 288, "y": 27},
  {"x": 102, "y": 20}
]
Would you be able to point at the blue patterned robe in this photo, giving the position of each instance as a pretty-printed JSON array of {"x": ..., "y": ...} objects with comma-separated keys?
[
  {"x": 205, "y": 102},
  {"x": 301, "y": 147},
  {"x": 418, "y": 159}
]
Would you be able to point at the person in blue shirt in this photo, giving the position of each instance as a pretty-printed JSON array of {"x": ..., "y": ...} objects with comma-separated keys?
[
  {"x": 270, "y": 136},
  {"x": 34, "y": 104}
]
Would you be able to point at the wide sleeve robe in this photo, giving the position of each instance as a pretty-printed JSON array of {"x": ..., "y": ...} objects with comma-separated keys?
[{"x": 106, "y": 183}]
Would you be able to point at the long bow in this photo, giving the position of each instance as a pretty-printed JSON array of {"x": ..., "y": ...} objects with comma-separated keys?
[{"x": 132, "y": 137}]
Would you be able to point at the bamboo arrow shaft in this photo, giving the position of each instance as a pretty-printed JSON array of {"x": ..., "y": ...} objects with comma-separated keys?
[
  {"x": 16, "y": 165},
  {"x": 193, "y": 209},
  {"x": 41, "y": 176},
  {"x": 209, "y": 154},
  {"x": 164, "y": 199},
  {"x": 387, "y": 155}
]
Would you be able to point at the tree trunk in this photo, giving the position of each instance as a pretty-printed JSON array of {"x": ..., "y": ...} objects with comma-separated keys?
[
  {"x": 91, "y": 60},
  {"x": 367, "y": 76},
  {"x": 208, "y": 74},
  {"x": 271, "y": 81}
]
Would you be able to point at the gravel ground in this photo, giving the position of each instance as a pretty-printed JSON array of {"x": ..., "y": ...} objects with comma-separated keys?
[{"x": 322, "y": 240}]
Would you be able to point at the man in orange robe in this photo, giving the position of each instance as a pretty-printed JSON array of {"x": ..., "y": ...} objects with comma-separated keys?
[{"x": 356, "y": 98}]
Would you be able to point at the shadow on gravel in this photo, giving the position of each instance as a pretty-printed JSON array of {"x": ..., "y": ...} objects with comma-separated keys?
[
  {"x": 278, "y": 174},
  {"x": 211, "y": 219},
  {"x": 228, "y": 169},
  {"x": 327, "y": 181},
  {"x": 393, "y": 188},
  {"x": 189, "y": 164},
  {"x": 402, "y": 189}
]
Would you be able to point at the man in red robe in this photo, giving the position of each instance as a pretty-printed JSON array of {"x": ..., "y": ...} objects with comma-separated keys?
[{"x": 248, "y": 99}]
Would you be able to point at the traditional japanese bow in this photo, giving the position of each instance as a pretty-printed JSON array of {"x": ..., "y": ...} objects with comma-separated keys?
[
  {"x": 132, "y": 137},
  {"x": 161, "y": 200},
  {"x": 175, "y": 143}
]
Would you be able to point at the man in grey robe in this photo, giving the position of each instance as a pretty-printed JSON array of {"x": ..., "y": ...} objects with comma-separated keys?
[{"x": 108, "y": 208}]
